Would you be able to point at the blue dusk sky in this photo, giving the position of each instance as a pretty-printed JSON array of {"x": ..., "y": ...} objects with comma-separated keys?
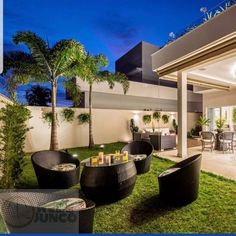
[{"x": 102, "y": 26}]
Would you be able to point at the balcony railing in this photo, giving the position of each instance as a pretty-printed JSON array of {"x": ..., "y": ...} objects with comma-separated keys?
[{"x": 207, "y": 15}]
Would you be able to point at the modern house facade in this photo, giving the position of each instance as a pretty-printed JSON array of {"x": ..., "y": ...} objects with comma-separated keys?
[{"x": 147, "y": 92}]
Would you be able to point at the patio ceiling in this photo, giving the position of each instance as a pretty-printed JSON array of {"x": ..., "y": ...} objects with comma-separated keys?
[
  {"x": 219, "y": 74},
  {"x": 222, "y": 72}
]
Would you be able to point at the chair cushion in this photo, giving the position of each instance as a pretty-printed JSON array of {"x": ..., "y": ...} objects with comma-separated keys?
[
  {"x": 207, "y": 140},
  {"x": 64, "y": 167},
  {"x": 67, "y": 204},
  {"x": 169, "y": 171},
  {"x": 138, "y": 157},
  {"x": 226, "y": 141}
]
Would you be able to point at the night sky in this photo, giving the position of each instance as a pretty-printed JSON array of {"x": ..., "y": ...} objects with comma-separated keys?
[{"x": 102, "y": 26}]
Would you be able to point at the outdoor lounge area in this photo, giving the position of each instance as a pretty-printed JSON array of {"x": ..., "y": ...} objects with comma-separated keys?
[
  {"x": 102, "y": 132},
  {"x": 143, "y": 210}
]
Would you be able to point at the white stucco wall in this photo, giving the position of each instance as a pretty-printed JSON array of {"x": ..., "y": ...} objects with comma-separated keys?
[
  {"x": 219, "y": 99},
  {"x": 108, "y": 126}
]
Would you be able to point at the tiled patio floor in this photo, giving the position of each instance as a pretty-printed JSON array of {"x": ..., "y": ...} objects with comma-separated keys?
[{"x": 215, "y": 162}]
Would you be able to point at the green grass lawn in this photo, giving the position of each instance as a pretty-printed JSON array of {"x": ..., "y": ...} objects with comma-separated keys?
[{"x": 142, "y": 212}]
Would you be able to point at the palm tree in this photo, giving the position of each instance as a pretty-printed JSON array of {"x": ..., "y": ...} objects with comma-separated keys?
[
  {"x": 38, "y": 96},
  {"x": 45, "y": 64},
  {"x": 91, "y": 72}
]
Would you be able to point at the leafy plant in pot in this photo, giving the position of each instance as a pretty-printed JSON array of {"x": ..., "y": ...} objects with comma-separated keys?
[
  {"x": 234, "y": 118},
  {"x": 175, "y": 126},
  {"x": 165, "y": 118},
  {"x": 220, "y": 122},
  {"x": 147, "y": 119},
  {"x": 83, "y": 118},
  {"x": 156, "y": 116},
  {"x": 68, "y": 114},
  {"x": 202, "y": 122}
]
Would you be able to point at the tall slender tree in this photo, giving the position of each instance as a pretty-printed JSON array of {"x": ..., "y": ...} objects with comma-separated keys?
[
  {"x": 91, "y": 72},
  {"x": 46, "y": 64}
]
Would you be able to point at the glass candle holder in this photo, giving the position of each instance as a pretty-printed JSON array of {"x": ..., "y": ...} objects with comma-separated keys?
[
  {"x": 94, "y": 161},
  {"x": 108, "y": 160}
]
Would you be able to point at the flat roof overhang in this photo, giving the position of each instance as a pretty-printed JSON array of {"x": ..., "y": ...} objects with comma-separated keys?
[{"x": 211, "y": 41}]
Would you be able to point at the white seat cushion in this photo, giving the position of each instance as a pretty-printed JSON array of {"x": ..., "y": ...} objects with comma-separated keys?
[
  {"x": 207, "y": 140},
  {"x": 64, "y": 167},
  {"x": 67, "y": 204},
  {"x": 169, "y": 171},
  {"x": 226, "y": 141}
]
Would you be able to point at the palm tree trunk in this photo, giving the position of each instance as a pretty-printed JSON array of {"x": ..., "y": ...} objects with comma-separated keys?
[
  {"x": 54, "y": 141},
  {"x": 91, "y": 141}
]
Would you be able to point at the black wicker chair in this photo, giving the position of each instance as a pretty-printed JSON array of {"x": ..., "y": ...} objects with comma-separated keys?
[
  {"x": 43, "y": 161},
  {"x": 22, "y": 213},
  {"x": 181, "y": 186},
  {"x": 140, "y": 147}
]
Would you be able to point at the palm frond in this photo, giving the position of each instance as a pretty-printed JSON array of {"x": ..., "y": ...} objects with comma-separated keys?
[
  {"x": 64, "y": 55},
  {"x": 112, "y": 78},
  {"x": 23, "y": 66},
  {"x": 88, "y": 69},
  {"x": 38, "y": 48},
  {"x": 73, "y": 89}
]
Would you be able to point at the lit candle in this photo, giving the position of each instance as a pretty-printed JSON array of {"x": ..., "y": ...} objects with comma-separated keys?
[
  {"x": 125, "y": 156},
  {"x": 100, "y": 157}
]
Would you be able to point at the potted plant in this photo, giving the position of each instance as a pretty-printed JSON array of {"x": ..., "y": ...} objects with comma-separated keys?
[
  {"x": 220, "y": 122},
  {"x": 165, "y": 118},
  {"x": 68, "y": 114},
  {"x": 83, "y": 118},
  {"x": 203, "y": 121},
  {"x": 234, "y": 118},
  {"x": 156, "y": 116},
  {"x": 175, "y": 126},
  {"x": 147, "y": 119}
]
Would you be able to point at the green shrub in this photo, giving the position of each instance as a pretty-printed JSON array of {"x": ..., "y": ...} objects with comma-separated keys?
[
  {"x": 13, "y": 118},
  {"x": 68, "y": 114},
  {"x": 83, "y": 118}
]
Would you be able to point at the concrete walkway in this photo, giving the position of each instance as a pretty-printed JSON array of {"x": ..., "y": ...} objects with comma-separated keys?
[{"x": 215, "y": 162}]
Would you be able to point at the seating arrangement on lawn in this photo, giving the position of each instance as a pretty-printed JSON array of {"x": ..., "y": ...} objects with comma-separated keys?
[
  {"x": 110, "y": 179},
  {"x": 145, "y": 204}
]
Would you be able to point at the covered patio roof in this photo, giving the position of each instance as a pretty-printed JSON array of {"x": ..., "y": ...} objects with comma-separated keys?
[{"x": 204, "y": 57}]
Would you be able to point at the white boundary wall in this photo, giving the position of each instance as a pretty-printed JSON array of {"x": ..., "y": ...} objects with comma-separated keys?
[{"x": 108, "y": 126}]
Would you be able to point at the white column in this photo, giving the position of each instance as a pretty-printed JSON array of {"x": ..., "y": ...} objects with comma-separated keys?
[{"x": 182, "y": 114}]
